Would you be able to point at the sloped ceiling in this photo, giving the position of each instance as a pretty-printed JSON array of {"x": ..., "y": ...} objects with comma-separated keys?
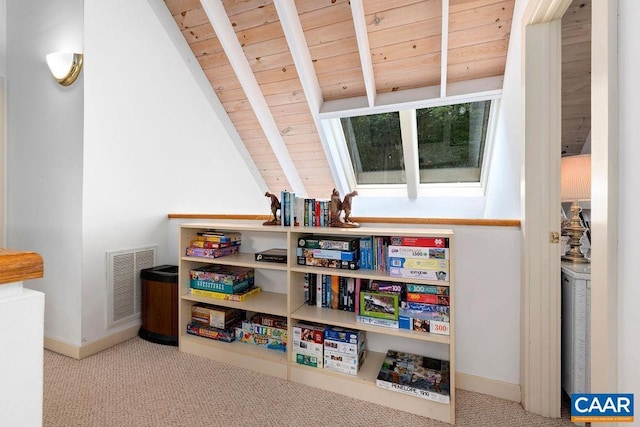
[
  {"x": 576, "y": 76},
  {"x": 277, "y": 66}
]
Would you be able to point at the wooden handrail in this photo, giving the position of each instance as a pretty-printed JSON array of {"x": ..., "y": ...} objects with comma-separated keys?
[
  {"x": 372, "y": 220},
  {"x": 16, "y": 266}
]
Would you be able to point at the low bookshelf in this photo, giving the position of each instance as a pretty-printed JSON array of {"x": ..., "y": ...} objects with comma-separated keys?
[{"x": 283, "y": 294}]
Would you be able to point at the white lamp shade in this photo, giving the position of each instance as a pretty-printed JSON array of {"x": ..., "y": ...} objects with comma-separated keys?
[
  {"x": 575, "y": 177},
  {"x": 65, "y": 66}
]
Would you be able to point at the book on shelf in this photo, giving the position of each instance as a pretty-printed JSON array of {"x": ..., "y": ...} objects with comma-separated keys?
[
  {"x": 239, "y": 297},
  {"x": 272, "y": 255},
  {"x": 211, "y": 253},
  {"x": 420, "y": 376}
]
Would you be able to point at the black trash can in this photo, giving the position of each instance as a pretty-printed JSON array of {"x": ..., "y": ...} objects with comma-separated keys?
[{"x": 160, "y": 304}]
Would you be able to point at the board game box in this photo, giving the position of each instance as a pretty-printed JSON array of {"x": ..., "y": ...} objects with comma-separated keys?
[
  {"x": 240, "y": 296},
  {"x": 308, "y": 332},
  {"x": 417, "y": 252},
  {"x": 226, "y": 335},
  {"x": 260, "y": 340},
  {"x": 272, "y": 255},
  {"x": 225, "y": 288},
  {"x": 385, "y": 323},
  {"x": 226, "y": 274},
  {"x": 414, "y": 273},
  {"x": 329, "y": 242},
  {"x": 210, "y": 253},
  {"x": 213, "y": 315},
  {"x": 383, "y": 305},
  {"x": 420, "y": 376}
]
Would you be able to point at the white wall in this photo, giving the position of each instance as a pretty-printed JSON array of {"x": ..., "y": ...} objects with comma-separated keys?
[
  {"x": 503, "y": 189},
  {"x": 629, "y": 176},
  {"x": 44, "y": 155},
  {"x": 152, "y": 146}
]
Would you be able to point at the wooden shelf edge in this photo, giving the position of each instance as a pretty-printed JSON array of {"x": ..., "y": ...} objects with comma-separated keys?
[
  {"x": 16, "y": 266},
  {"x": 485, "y": 222}
]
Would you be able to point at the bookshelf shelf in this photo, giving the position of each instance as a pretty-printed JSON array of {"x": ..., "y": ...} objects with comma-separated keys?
[
  {"x": 346, "y": 319},
  {"x": 265, "y": 302},
  {"x": 282, "y": 294}
]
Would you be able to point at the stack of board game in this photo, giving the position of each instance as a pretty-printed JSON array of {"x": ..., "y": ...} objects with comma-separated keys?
[
  {"x": 211, "y": 321},
  {"x": 329, "y": 251},
  {"x": 344, "y": 350},
  {"x": 420, "y": 376},
  {"x": 425, "y": 309},
  {"x": 214, "y": 244},
  {"x": 223, "y": 282},
  {"x": 264, "y": 331},
  {"x": 419, "y": 257},
  {"x": 379, "y": 303},
  {"x": 308, "y": 348}
]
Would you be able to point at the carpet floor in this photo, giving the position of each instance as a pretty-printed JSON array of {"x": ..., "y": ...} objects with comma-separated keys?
[{"x": 139, "y": 383}]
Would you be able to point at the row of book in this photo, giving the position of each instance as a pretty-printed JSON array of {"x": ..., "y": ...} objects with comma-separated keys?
[
  {"x": 423, "y": 308},
  {"x": 302, "y": 211}
]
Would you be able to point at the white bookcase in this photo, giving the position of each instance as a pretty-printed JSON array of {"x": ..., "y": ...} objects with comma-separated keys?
[{"x": 283, "y": 294}]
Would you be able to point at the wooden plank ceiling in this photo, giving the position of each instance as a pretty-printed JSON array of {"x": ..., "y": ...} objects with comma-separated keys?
[
  {"x": 576, "y": 76},
  {"x": 405, "y": 43}
]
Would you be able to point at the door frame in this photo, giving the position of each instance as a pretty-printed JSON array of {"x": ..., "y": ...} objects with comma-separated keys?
[{"x": 540, "y": 327}]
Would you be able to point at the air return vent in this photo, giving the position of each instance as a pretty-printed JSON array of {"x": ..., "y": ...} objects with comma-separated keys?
[{"x": 123, "y": 282}]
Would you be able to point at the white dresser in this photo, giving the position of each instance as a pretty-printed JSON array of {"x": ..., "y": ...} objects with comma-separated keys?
[{"x": 576, "y": 330}]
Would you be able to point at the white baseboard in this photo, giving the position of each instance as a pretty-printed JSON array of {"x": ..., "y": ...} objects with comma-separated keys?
[
  {"x": 92, "y": 348},
  {"x": 491, "y": 387}
]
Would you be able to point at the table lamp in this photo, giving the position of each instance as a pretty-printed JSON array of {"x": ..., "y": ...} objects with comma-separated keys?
[{"x": 575, "y": 186}]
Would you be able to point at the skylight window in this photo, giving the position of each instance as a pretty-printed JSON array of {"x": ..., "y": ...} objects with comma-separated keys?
[
  {"x": 451, "y": 141},
  {"x": 413, "y": 150}
]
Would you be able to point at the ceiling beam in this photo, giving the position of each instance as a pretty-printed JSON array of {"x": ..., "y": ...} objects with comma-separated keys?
[
  {"x": 238, "y": 60},
  {"x": 299, "y": 49},
  {"x": 444, "y": 49},
  {"x": 360, "y": 24},
  {"x": 296, "y": 40},
  {"x": 459, "y": 92}
]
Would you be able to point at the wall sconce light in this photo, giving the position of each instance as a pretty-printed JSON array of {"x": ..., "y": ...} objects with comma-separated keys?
[
  {"x": 575, "y": 185},
  {"x": 65, "y": 66}
]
